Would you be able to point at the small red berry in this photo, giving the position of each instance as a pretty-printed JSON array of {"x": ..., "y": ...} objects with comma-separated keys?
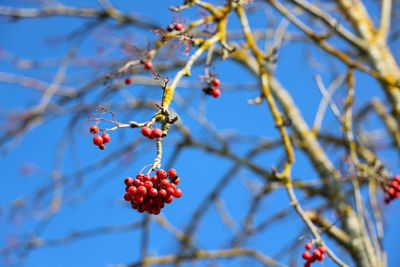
[
  {"x": 391, "y": 192},
  {"x": 148, "y": 65},
  {"x": 322, "y": 249},
  {"x": 146, "y": 178},
  {"x": 306, "y": 255},
  {"x": 216, "y": 92},
  {"x": 132, "y": 190},
  {"x": 161, "y": 174},
  {"x": 142, "y": 190},
  {"x": 308, "y": 246},
  {"x": 128, "y": 181},
  {"x": 397, "y": 178},
  {"x": 153, "y": 192},
  {"x": 148, "y": 185},
  {"x": 102, "y": 146},
  {"x": 177, "y": 180},
  {"x": 128, "y": 81},
  {"x": 139, "y": 177},
  {"x": 128, "y": 196},
  {"x": 154, "y": 180},
  {"x": 94, "y": 129},
  {"x": 178, "y": 26},
  {"x": 156, "y": 133},
  {"x": 307, "y": 264},
  {"x": 146, "y": 131},
  {"x": 162, "y": 193},
  {"x": 177, "y": 193},
  {"x": 387, "y": 200},
  {"x": 136, "y": 182},
  {"x": 321, "y": 258},
  {"x": 97, "y": 140},
  {"x": 317, "y": 253},
  {"x": 172, "y": 173},
  {"x": 106, "y": 137},
  {"x": 138, "y": 198},
  {"x": 169, "y": 199},
  {"x": 170, "y": 190},
  {"x": 216, "y": 82},
  {"x": 164, "y": 183}
]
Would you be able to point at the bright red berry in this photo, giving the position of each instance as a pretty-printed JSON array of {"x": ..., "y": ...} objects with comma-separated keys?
[
  {"x": 169, "y": 199},
  {"x": 146, "y": 131},
  {"x": 146, "y": 178},
  {"x": 142, "y": 190},
  {"x": 170, "y": 190},
  {"x": 128, "y": 196},
  {"x": 317, "y": 253},
  {"x": 178, "y": 26},
  {"x": 132, "y": 190},
  {"x": 176, "y": 180},
  {"x": 136, "y": 182},
  {"x": 154, "y": 180},
  {"x": 172, "y": 173},
  {"x": 322, "y": 249},
  {"x": 139, "y": 177},
  {"x": 177, "y": 193},
  {"x": 306, "y": 255},
  {"x": 106, "y": 137},
  {"x": 148, "y": 65},
  {"x": 397, "y": 178},
  {"x": 156, "y": 133},
  {"x": 391, "y": 192},
  {"x": 308, "y": 246},
  {"x": 97, "y": 140},
  {"x": 138, "y": 198},
  {"x": 161, "y": 174},
  {"x": 216, "y": 82},
  {"x": 307, "y": 264},
  {"x": 102, "y": 146},
  {"x": 94, "y": 129},
  {"x": 321, "y": 258},
  {"x": 148, "y": 185},
  {"x": 216, "y": 92},
  {"x": 164, "y": 183},
  {"x": 128, "y": 181},
  {"x": 128, "y": 81},
  {"x": 162, "y": 193},
  {"x": 153, "y": 192}
]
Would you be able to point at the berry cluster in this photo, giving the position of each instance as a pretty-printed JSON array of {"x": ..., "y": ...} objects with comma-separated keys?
[
  {"x": 151, "y": 193},
  {"x": 99, "y": 140},
  {"x": 151, "y": 133},
  {"x": 317, "y": 254},
  {"x": 393, "y": 191},
  {"x": 212, "y": 88},
  {"x": 177, "y": 26}
]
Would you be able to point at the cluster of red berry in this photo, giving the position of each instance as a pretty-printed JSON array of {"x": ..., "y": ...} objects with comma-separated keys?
[
  {"x": 151, "y": 193},
  {"x": 212, "y": 88},
  {"x": 151, "y": 133},
  {"x": 317, "y": 254},
  {"x": 177, "y": 26},
  {"x": 99, "y": 140},
  {"x": 394, "y": 189}
]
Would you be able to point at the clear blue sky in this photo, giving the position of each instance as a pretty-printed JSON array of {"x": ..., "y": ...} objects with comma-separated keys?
[{"x": 98, "y": 201}]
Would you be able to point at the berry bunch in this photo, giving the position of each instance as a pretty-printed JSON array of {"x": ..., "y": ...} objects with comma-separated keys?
[
  {"x": 99, "y": 140},
  {"x": 212, "y": 88},
  {"x": 393, "y": 190},
  {"x": 151, "y": 133},
  {"x": 317, "y": 254},
  {"x": 151, "y": 193}
]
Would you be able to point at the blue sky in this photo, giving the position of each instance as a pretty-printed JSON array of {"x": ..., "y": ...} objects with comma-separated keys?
[{"x": 98, "y": 201}]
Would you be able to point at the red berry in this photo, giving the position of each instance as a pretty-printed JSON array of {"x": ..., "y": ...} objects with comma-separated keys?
[
  {"x": 142, "y": 190},
  {"x": 216, "y": 92},
  {"x": 169, "y": 199},
  {"x": 128, "y": 181},
  {"x": 178, "y": 26},
  {"x": 106, "y": 137},
  {"x": 172, "y": 185},
  {"x": 146, "y": 131},
  {"x": 172, "y": 173},
  {"x": 146, "y": 178},
  {"x": 128, "y": 81},
  {"x": 132, "y": 190},
  {"x": 148, "y": 65},
  {"x": 387, "y": 200},
  {"x": 156, "y": 211},
  {"x": 391, "y": 192},
  {"x": 128, "y": 196},
  {"x": 397, "y": 178},
  {"x": 317, "y": 253},
  {"x": 170, "y": 190},
  {"x": 94, "y": 129},
  {"x": 134, "y": 205},
  {"x": 161, "y": 174},
  {"x": 177, "y": 180},
  {"x": 216, "y": 82},
  {"x": 136, "y": 182},
  {"x": 322, "y": 249},
  {"x": 308, "y": 246},
  {"x": 156, "y": 133},
  {"x": 177, "y": 193},
  {"x": 154, "y": 180},
  {"x": 97, "y": 140},
  {"x": 148, "y": 185},
  {"x": 307, "y": 264},
  {"x": 153, "y": 192},
  {"x": 164, "y": 183},
  {"x": 138, "y": 198},
  {"x": 102, "y": 146},
  {"x": 306, "y": 255},
  {"x": 321, "y": 258},
  {"x": 139, "y": 177},
  {"x": 162, "y": 193}
]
